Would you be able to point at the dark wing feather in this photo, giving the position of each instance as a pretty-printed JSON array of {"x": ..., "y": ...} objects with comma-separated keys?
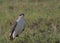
[{"x": 13, "y": 28}]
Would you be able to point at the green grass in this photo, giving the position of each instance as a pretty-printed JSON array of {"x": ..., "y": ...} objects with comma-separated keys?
[{"x": 42, "y": 20}]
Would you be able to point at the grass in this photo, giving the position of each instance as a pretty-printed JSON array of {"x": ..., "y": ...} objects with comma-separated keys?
[{"x": 42, "y": 20}]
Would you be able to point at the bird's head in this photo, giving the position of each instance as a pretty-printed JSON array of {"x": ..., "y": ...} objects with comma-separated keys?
[{"x": 22, "y": 14}]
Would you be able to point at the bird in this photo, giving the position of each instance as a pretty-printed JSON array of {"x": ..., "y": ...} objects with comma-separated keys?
[{"x": 18, "y": 27}]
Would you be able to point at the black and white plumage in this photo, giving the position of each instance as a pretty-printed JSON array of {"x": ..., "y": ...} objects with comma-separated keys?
[{"x": 18, "y": 27}]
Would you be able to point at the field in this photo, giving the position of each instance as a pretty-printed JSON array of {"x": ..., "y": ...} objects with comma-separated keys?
[{"x": 42, "y": 20}]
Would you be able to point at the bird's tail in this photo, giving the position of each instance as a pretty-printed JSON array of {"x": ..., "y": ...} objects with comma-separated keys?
[{"x": 11, "y": 37}]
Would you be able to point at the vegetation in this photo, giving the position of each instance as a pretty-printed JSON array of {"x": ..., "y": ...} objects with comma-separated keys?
[{"x": 42, "y": 20}]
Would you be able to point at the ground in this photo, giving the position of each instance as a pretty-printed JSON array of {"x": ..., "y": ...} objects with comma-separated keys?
[{"x": 42, "y": 20}]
